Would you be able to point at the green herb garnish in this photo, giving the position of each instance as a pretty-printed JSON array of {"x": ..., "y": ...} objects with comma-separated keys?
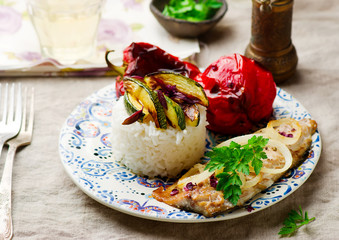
[
  {"x": 294, "y": 221},
  {"x": 234, "y": 159},
  {"x": 192, "y": 10}
]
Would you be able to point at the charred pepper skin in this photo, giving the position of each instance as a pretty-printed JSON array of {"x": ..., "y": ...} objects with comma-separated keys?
[
  {"x": 144, "y": 58},
  {"x": 240, "y": 94},
  {"x": 140, "y": 59}
]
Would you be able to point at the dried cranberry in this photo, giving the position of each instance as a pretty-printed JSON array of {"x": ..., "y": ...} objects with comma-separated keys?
[
  {"x": 213, "y": 181},
  {"x": 174, "y": 192},
  {"x": 249, "y": 208},
  {"x": 289, "y": 135},
  {"x": 189, "y": 186}
]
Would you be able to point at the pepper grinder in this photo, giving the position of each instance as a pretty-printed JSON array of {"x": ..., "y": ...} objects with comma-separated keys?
[{"x": 271, "y": 43}]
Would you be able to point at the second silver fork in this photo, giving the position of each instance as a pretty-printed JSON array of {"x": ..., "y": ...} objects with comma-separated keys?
[{"x": 23, "y": 138}]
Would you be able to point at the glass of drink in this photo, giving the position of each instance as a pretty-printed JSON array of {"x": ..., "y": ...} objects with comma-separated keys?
[{"x": 66, "y": 28}]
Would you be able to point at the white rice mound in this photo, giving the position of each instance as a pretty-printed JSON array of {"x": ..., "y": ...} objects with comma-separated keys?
[{"x": 149, "y": 151}]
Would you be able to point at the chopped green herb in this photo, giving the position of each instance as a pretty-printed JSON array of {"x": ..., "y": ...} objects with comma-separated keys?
[
  {"x": 294, "y": 221},
  {"x": 192, "y": 10},
  {"x": 233, "y": 159}
]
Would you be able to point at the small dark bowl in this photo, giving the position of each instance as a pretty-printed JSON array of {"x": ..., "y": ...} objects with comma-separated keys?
[{"x": 182, "y": 28}]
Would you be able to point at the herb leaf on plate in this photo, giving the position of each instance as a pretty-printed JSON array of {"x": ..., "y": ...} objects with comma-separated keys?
[{"x": 233, "y": 159}]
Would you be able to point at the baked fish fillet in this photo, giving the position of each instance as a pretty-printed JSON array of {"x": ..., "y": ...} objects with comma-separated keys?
[{"x": 195, "y": 191}]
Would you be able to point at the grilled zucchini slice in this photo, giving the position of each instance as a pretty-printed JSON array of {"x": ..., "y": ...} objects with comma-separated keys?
[
  {"x": 148, "y": 99},
  {"x": 175, "y": 115},
  {"x": 133, "y": 105},
  {"x": 177, "y": 82}
]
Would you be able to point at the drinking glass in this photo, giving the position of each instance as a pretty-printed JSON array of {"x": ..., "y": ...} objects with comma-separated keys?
[{"x": 66, "y": 28}]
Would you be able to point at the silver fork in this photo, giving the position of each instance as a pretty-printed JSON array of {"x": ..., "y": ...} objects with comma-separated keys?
[
  {"x": 11, "y": 118},
  {"x": 23, "y": 138}
]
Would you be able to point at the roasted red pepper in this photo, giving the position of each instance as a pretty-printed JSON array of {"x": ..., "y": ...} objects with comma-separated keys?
[
  {"x": 142, "y": 58},
  {"x": 240, "y": 94}
]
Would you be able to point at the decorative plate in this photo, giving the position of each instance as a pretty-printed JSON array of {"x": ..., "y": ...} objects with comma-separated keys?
[{"x": 85, "y": 151}]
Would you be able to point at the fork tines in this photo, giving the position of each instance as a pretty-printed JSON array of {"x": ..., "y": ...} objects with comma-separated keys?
[{"x": 10, "y": 103}]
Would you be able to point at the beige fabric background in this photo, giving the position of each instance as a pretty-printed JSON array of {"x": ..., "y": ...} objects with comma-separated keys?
[{"x": 48, "y": 205}]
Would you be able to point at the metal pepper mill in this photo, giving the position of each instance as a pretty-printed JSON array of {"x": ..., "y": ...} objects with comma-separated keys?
[{"x": 271, "y": 43}]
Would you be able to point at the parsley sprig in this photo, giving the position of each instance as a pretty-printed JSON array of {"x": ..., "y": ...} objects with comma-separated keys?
[
  {"x": 294, "y": 221},
  {"x": 192, "y": 10},
  {"x": 234, "y": 159}
]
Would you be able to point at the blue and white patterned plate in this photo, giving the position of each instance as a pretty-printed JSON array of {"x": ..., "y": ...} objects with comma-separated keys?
[{"x": 85, "y": 151}]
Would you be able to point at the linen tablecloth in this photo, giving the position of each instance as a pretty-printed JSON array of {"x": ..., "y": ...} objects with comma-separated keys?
[{"x": 48, "y": 205}]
